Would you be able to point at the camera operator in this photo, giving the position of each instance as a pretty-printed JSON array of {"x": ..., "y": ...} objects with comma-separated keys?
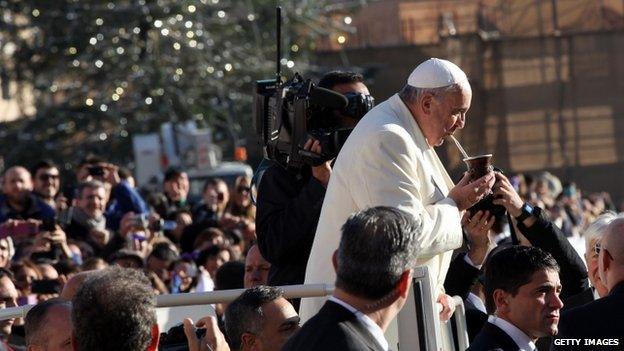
[{"x": 289, "y": 201}]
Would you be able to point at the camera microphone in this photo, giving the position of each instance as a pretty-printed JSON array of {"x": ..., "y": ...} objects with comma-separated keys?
[{"x": 328, "y": 98}]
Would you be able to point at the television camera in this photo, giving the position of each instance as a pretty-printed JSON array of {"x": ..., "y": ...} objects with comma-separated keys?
[{"x": 288, "y": 112}]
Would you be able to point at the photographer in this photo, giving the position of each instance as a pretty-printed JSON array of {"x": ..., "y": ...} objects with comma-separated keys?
[{"x": 289, "y": 201}]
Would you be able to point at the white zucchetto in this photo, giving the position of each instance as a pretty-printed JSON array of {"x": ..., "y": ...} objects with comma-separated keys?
[{"x": 436, "y": 73}]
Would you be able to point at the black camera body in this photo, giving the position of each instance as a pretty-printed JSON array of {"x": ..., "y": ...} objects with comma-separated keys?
[{"x": 288, "y": 113}]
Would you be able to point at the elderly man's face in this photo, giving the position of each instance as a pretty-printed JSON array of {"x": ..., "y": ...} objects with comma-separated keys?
[
  {"x": 8, "y": 298},
  {"x": 591, "y": 257},
  {"x": 256, "y": 268},
  {"x": 17, "y": 184},
  {"x": 92, "y": 201},
  {"x": 535, "y": 308},
  {"x": 447, "y": 113},
  {"x": 47, "y": 182}
]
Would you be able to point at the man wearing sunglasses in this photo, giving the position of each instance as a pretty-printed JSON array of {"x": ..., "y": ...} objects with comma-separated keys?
[
  {"x": 47, "y": 183},
  {"x": 600, "y": 322}
]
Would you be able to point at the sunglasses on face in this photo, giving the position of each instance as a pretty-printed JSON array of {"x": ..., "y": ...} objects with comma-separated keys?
[
  {"x": 46, "y": 177},
  {"x": 243, "y": 189}
]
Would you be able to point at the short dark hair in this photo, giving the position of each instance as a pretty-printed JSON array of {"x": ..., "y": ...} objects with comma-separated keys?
[
  {"x": 43, "y": 164},
  {"x": 124, "y": 173},
  {"x": 245, "y": 315},
  {"x": 114, "y": 310},
  {"x": 333, "y": 78},
  {"x": 207, "y": 253},
  {"x": 513, "y": 267},
  {"x": 90, "y": 159},
  {"x": 213, "y": 182},
  {"x": 89, "y": 184},
  {"x": 377, "y": 245},
  {"x": 231, "y": 275},
  {"x": 127, "y": 254},
  {"x": 35, "y": 320},
  {"x": 164, "y": 252},
  {"x": 172, "y": 173}
]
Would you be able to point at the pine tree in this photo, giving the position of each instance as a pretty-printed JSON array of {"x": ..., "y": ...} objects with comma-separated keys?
[{"x": 102, "y": 71}]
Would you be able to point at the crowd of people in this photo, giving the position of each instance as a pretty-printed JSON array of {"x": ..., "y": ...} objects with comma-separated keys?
[{"x": 92, "y": 252}]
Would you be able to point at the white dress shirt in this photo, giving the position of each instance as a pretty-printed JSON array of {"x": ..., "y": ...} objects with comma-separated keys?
[
  {"x": 595, "y": 293},
  {"x": 371, "y": 326},
  {"x": 477, "y": 302},
  {"x": 519, "y": 337}
]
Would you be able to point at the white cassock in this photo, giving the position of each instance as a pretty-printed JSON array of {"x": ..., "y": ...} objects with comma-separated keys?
[{"x": 386, "y": 161}]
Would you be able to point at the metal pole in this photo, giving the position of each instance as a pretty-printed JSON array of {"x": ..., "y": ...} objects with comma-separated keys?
[
  {"x": 460, "y": 322},
  {"x": 290, "y": 291},
  {"x": 203, "y": 298}
]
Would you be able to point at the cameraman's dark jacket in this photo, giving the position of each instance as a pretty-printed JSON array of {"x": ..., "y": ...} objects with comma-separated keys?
[{"x": 288, "y": 209}]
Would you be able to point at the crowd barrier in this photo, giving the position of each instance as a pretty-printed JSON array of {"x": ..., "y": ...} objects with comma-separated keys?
[{"x": 425, "y": 319}]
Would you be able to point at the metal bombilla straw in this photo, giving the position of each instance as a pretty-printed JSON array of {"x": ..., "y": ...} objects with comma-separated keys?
[{"x": 461, "y": 149}]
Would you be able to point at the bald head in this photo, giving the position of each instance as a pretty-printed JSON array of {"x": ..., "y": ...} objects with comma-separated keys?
[
  {"x": 74, "y": 283},
  {"x": 611, "y": 257},
  {"x": 17, "y": 183}
]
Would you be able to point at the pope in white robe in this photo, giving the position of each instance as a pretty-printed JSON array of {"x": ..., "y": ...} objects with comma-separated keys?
[{"x": 389, "y": 160}]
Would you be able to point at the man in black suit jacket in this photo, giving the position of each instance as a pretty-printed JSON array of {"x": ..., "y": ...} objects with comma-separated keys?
[
  {"x": 373, "y": 276},
  {"x": 522, "y": 289},
  {"x": 603, "y": 317}
]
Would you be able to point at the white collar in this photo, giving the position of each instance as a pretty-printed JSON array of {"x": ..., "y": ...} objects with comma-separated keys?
[
  {"x": 519, "y": 337},
  {"x": 595, "y": 293},
  {"x": 371, "y": 326},
  {"x": 477, "y": 302},
  {"x": 404, "y": 113}
]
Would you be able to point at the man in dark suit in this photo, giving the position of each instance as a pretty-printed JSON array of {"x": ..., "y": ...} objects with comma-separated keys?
[
  {"x": 373, "y": 276},
  {"x": 603, "y": 317},
  {"x": 522, "y": 290}
]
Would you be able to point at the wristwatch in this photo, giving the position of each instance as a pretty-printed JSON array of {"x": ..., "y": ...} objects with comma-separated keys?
[{"x": 527, "y": 210}]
